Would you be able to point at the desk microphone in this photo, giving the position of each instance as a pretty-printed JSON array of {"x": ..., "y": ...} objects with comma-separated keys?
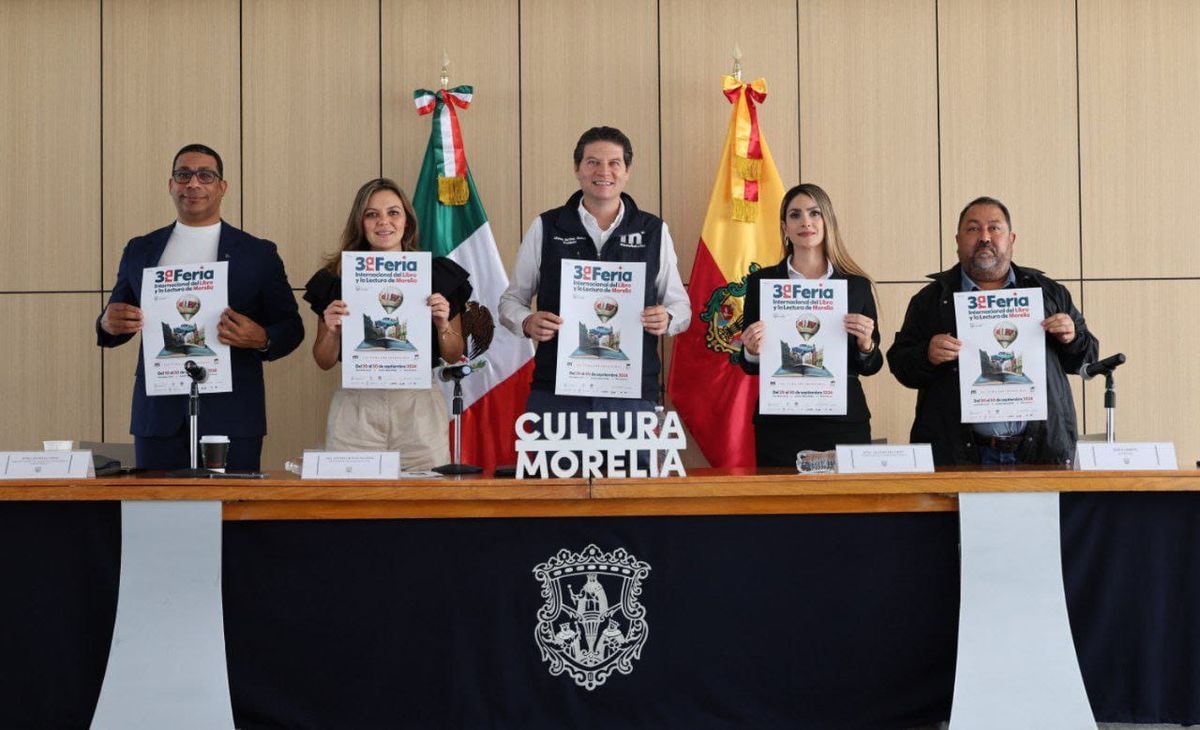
[
  {"x": 451, "y": 373},
  {"x": 196, "y": 372},
  {"x": 1104, "y": 367}
]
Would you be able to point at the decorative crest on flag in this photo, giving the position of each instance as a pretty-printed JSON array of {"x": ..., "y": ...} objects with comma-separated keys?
[
  {"x": 747, "y": 156},
  {"x": 447, "y": 140},
  {"x": 723, "y": 318}
]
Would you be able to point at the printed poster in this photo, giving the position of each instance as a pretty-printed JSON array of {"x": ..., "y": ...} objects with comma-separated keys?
[
  {"x": 1002, "y": 364},
  {"x": 387, "y": 336},
  {"x": 181, "y": 306},
  {"x": 802, "y": 363},
  {"x": 600, "y": 341}
]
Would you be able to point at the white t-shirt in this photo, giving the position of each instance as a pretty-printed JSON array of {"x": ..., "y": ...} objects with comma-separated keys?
[{"x": 191, "y": 245}]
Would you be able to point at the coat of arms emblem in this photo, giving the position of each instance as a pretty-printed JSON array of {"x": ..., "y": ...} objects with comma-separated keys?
[
  {"x": 591, "y": 623},
  {"x": 723, "y": 318}
]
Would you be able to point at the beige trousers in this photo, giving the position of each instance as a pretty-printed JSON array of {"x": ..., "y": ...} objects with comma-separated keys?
[{"x": 413, "y": 422}]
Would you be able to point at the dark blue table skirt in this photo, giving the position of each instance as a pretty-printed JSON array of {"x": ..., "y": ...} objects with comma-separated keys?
[{"x": 827, "y": 621}]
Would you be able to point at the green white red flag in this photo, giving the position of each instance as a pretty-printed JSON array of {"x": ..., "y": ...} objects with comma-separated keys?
[{"x": 452, "y": 223}]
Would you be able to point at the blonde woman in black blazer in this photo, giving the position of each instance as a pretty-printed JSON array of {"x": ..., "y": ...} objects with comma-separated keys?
[{"x": 814, "y": 250}]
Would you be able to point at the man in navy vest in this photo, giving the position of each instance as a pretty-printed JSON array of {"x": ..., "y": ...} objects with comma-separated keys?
[
  {"x": 261, "y": 323},
  {"x": 598, "y": 223}
]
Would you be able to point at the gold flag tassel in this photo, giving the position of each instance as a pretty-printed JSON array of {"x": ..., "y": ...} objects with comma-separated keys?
[
  {"x": 746, "y": 168},
  {"x": 744, "y": 211}
]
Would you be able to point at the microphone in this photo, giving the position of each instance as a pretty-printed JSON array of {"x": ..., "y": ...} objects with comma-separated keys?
[
  {"x": 458, "y": 371},
  {"x": 1104, "y": 367},
  {"x": 197, "y": 373},
  {"x": 450, "y": 373}
]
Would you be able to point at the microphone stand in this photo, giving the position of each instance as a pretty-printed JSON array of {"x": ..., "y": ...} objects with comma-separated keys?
[
  {"x": 193, "y": 426},
  {"x": 456, "y": 467},
  {"x": 1110, "y": 407},
  {"x": 193, "y": 471},
  {"x": 1107, "y": 366}
]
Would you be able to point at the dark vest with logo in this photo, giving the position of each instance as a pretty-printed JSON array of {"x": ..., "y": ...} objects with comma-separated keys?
[{"x": 637, "y": 238}]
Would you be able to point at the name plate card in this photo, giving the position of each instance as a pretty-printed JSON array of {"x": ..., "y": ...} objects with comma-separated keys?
[
  {"x": 46, "y": 465},
  {"x": 351, "y": 465},
  {"x": 1125, "y": 456},
  {"x": 884, "y": 459}
]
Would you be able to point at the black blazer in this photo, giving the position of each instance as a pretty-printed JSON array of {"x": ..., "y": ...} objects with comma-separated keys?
[
  {"x": 861, "y": 301},
  {"x": 259, "y": 289}
]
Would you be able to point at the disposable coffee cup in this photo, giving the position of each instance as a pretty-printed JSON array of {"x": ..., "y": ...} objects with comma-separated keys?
[
  {"x": 214, "y": 452},
  {"x": 60, "y": 445}
]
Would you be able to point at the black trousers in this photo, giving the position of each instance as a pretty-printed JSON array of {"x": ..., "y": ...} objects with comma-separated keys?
[{"x": 777, "y": 445}]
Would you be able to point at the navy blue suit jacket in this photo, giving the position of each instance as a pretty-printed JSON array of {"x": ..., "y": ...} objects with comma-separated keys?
[{"x": 259, "y": 289}]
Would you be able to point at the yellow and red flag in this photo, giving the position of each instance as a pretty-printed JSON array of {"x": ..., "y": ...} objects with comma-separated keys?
[{"x": 712, "y": 394}]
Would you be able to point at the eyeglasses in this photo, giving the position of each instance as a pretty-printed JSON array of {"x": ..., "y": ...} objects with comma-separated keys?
[{"x": 183, "y": 176}]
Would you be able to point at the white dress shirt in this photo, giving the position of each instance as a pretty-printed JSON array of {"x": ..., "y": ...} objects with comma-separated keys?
[{"x": 792, "y": 274}]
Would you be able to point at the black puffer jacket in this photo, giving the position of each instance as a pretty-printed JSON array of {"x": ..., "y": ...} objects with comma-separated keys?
[{"x": 938, "y": 418}]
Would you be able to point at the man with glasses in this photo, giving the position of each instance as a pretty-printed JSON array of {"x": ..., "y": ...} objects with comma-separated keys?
[{"x": 261, "y": 323}]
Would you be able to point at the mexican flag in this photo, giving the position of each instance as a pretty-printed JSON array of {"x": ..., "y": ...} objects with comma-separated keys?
[
  {"x": 740, "y": 235},
  {"x": 452, "y": 223}
]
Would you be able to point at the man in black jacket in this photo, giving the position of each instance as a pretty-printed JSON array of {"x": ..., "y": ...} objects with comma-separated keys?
[{"x": 925, "y": 353}]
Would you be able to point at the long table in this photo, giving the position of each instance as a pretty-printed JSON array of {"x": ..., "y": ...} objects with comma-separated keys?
[{"x": 770, "y": 599}]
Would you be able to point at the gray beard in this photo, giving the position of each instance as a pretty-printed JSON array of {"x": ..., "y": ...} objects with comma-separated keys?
[{"x": 996, "y": 272}]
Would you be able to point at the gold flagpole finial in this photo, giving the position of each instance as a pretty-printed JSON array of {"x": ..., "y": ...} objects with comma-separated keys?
[
  {"x": 737, "y": 62},
  {"x": 445, "y": 69}
]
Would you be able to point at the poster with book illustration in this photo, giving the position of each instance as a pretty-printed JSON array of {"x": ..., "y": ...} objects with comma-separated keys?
[
  {"x": 386, "y": 337},
  {"x": 181, "y": 306},
  {"x": 600, "y": 340},
  {"x": 1002, "y": 363},
  {"x": 802, "y": 363}
]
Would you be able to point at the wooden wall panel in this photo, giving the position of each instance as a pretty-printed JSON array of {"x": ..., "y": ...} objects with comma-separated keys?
[
  {"x": 1139, "y": 70},
  {"x": 868, "y": 127},
  {"x": 50, "y": 144},
  {"x": 583, "y": 65},
  {"x": 319, "y": 103},
  {"x": 310, "y": 121},
  {"x": 120, "y": 364},
  {"x": 1157, "y": 399},
  {"x": 157, "y": 98},
  {"x": 481, "y": 40},
  {"x": 1008, "y": 122},
  {"x": 696, "y": 113},
  {"x": 298, "y": 394},
  {"x": 892, "y": 405},
  {"x": 54, "y": 394}
]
